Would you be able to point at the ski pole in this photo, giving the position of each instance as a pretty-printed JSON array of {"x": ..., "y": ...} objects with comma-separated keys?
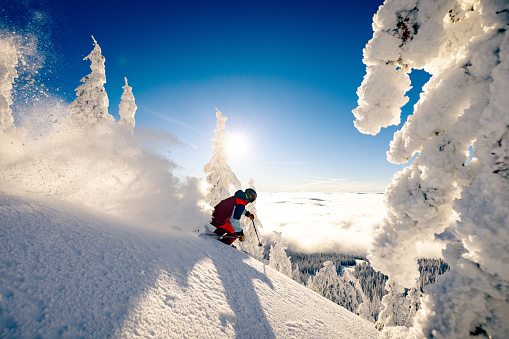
[{"x": 259, "y": 242}]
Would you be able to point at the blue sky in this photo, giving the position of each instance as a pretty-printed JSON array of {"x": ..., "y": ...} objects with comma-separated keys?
[{"x": 285, "y": 73}]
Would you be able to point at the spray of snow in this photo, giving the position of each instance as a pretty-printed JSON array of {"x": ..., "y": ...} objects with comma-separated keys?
[
  {"x": 464, "y": 45},
  {"x": 101, "y": 166}
]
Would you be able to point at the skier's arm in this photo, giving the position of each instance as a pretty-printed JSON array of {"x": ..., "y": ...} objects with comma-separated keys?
[{"x": 235, "y": 219}]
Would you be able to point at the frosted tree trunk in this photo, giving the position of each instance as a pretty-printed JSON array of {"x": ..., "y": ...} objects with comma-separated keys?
[
  {"x": 220, "y": 176},
  {"x": 464, "y": 45},
  {"x": 127, "y": 107},
  {"x": 91, "y": 104}
]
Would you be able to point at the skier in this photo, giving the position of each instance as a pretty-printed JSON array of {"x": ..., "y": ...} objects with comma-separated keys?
[{"x": 226, "y": 215}]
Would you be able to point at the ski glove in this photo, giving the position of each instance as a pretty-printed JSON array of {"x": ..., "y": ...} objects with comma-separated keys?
[
  {"x": 249, "y": 215},
  {"x": 241, "y": 235}
]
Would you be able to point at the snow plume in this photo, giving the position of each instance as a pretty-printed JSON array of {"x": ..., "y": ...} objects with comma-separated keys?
[
  {"x": 464, "y": 45},
  {"x": 220, "y": 176},
  {"x": 102, "y": 167}
]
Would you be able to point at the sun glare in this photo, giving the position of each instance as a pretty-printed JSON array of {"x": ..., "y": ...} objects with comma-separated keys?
[{"x": 237, "y": 146}]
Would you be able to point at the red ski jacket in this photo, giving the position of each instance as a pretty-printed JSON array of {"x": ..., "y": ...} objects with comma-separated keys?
[{"x": 230, "y": 210}]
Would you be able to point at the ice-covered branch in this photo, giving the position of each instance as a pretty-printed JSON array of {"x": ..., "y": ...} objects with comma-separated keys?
[{"x": 463, "y": 44}]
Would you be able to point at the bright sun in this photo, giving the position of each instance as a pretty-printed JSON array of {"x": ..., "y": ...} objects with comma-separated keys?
[{"x": 237, "y": 146}]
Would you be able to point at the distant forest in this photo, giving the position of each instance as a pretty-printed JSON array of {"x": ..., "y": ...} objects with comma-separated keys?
[{"x": 371, "y": 281}]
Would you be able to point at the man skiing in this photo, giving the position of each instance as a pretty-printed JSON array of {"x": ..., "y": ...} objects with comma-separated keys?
[{"x": 226, "y": 215}]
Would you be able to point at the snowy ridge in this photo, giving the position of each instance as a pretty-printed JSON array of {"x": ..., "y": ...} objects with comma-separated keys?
[{"x": 68, "y": 273}]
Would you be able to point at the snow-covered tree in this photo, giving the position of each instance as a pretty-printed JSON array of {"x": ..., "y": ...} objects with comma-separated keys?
[
  {"x": 464, "y": 45},
  {"x": 127, "y": 107},
  {"x": 8, "y": 62},
  {"x": 335, "y": 288},
  {"x": 364, "y": 311},
  {"x": 220, "y": 176},
  {"x": 296, "y": 275},
  {"x": 91, "y": 104},
  {"x": 278, "y": 259},
  {"x": 326, "y": 282},
  {"x": 413, "y": 298},
  {"x": 10, "y": 135},
  {"x": 398, "y": 307}
]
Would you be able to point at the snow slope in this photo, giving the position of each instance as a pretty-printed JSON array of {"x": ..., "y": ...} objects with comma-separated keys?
[{"x": 68, "y": 273}]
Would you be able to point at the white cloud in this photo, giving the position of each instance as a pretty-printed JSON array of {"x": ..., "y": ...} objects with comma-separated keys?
[{"x": 322, "y": 222}]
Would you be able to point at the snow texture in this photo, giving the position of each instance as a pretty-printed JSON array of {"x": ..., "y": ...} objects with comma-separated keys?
[
  {"x": 220, "y": 176},
  {"x": 464, "y": 45},
  {"x": 66, "y": 273}
]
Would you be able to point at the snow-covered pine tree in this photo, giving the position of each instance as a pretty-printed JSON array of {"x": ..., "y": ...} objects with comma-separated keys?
[
  {"x": 278, "y": 258},
  {"x": 364, "y": 312},
  {"x": 127, "y": 107},
  {"x": 355, "y": 289},
  {"x": 296, "y": 275},
  {"x": 464, "y": 45},
  {"x": 414, "y": 304},
  {"x": 10, "y": 135},
  {"x": 338, "y": 289},
  {"x": 395, "y": 307},
  {"x": 220, "y": 176},
  {"x": 91, "y": 105},
  {"x": 8, "y": 62},
  {"x": 326, "y": 282}
]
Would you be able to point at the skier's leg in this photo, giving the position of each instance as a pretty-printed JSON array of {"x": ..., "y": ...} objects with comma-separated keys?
[
  {"x": 219, "y": 231},
  {"x": 226, "y": 230},
  {"x": 228, "y": 240}
]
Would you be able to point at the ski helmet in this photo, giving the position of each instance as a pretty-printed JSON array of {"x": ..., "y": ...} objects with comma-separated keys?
[{"x": 251, "y": 194}]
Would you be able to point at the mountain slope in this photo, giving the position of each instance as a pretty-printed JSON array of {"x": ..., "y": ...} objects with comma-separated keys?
[{"x": 68, "y": 273}]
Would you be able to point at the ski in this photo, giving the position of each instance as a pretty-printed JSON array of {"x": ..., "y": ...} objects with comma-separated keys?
[{"x": 219, "y": 237}]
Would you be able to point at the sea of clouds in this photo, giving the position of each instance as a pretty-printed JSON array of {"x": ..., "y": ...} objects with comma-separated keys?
[{"x": 327, "y": 222}]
